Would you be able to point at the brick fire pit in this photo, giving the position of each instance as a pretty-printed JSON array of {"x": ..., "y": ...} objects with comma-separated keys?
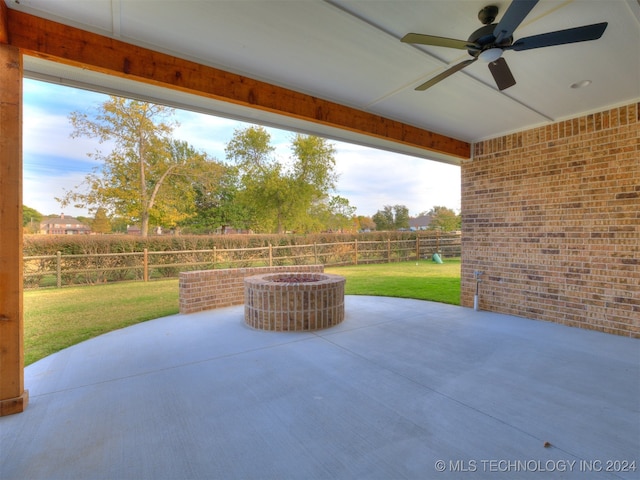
[{"x": 293, "y": 301}]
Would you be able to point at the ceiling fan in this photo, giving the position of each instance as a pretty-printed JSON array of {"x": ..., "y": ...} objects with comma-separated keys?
[{"x": 488, "y": 42}]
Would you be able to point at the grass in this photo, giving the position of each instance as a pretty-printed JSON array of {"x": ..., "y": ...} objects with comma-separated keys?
[
  {"x": 423, "y": 280},
  {"x": 58, "y": 318}
]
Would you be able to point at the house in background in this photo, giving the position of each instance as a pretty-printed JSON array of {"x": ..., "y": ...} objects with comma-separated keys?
[
  {"x": 420, "y": 223},
  {"x": 133, "y": 230},
  {"x": 63, "y": 225}
]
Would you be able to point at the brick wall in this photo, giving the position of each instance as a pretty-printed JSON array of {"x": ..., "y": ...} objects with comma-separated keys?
[
  {"x": 208, "y": 289},
  {"x": 552, "y": 217}
]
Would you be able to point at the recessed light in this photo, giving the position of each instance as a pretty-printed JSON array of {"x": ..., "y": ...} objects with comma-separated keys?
[{"x": 581, "y": 84}]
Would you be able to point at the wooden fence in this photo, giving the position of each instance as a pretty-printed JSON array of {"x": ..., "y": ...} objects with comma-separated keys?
[{"x": 63, "y": 270}]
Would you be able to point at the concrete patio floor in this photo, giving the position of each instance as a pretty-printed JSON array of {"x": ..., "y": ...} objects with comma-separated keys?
[{"x": 401, "y": 389}]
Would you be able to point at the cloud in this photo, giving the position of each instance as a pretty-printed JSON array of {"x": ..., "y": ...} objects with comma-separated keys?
[
  {"x": 205, "y": 132},
  {"x": 372, "y": 178},
  {"x": 40, "y": 191},
  {"x": 49, "y": 134}
]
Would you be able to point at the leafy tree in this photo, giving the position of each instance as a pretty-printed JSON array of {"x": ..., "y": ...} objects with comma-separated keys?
[
  {"x": 101, "y": 223},
  {"x": 31, "y": 219},
  {"x": 251, "y": 152},
  {"x": 186, "y": 173},
  {"x": 400, "y": 217},
  {"x": 217, "y": 207},
  {"x": 365, "y": 223},
  {"x": 342, "y": 214},
  {"x": 384, "y": 218},
  {"x": 275, "y": 197},
  {"x": 119, "y": 225},
  {"x": 392, "y": 218},
  {"x": 311, "y": 178},
  {"x": 147, "y": 175},
  {"x": 332, "y": 214},
  {"x": 444, "y": 219},
  {"x": 313, "y": 170}
]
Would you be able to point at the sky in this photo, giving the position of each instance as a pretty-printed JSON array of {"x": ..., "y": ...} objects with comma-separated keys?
[{"x": 369, "y": 178}]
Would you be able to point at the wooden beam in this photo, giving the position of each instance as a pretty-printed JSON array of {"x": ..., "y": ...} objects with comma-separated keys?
[
  {"x": 61, "y": 43},
  {"x": 4, "y": 23},
  {"x": 13, "y": 396}
]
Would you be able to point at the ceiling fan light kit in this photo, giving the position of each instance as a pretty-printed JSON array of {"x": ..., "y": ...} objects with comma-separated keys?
[
  {"x": 490, "y": 41},
  {"x": 490, "y": 54}
]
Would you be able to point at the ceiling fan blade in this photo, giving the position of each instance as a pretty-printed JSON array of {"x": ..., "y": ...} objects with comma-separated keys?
[
  {"x": 421, "y": 39},
  {"x": 561, "y": 37},
  {"x": 445, "y": 74},
  {"x": 512, "y": 18},
  {"x": 502, "y": 74}
]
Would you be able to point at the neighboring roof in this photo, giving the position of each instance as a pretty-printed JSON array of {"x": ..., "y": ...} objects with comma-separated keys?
[
  {"x": 421, "y": 221},
  {"x": 54, "y": 224},
  {"x": 63, "y": 220}
]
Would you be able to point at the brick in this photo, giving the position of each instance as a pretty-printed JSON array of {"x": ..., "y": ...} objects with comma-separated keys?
[
  {"x": 552, "y": 216},
  {"x": 208, "y": 289}
]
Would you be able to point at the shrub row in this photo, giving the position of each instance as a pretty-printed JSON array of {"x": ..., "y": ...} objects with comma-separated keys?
[{"x": 83, "y": 245}]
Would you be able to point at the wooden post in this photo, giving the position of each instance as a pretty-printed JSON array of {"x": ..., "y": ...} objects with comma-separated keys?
[
  {"x": 356, "y": 252},
  {"x": 13, "y": 396},
  {"x": 417, "y": 248},
  {"x": 59, "y": 269},
  {"x": 145, "y": 265},
  {"x": 270, "y": 255}
]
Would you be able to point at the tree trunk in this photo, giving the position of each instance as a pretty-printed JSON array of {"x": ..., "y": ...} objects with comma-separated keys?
[{"x": 144, "y": 227}]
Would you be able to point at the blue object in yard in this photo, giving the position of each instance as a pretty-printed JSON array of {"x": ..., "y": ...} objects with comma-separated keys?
[{"x": 436, "y": 258}]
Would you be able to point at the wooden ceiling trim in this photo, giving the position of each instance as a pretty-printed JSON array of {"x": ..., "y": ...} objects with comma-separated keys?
[
  {"x": 62, "y": 43},
  {"x": 4, "y": 27}
]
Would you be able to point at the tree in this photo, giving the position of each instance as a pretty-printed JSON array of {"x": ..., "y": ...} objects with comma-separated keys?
[
  {"x": 217, "y": 207},
  {"x": 101, "y": 223},
  {"x": 444, "y": 219},
  {"x": 384, "y": 218},
  {"x": 392, "y": 218},
  {"x": 342, "y": 214},
  {"x": 31, "y": 219},
  {"x": 276, "y": 197},
  {"x": 186, "y": 173},
  {"x": 365, "y": 223},
  {"x": 310, "y": 180},
  {"x": 147, "y": 175},
  {"x": 331, "y": 213},
  {"x": 119, "y": 225},
  {"x": 400, "y": 217},
  {"x": 251, "y": 152}
]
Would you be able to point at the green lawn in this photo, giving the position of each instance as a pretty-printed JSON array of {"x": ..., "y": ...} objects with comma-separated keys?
[
  {"x": 58, "y": 318},
  {"x": 423, "y": 280}
]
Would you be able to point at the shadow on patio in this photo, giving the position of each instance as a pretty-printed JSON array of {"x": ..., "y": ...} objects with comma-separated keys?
[{"x": 396, "y": 388}]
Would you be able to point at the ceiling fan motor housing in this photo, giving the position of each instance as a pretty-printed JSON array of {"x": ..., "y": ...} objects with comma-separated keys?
[{"x": 486, "y": 39}]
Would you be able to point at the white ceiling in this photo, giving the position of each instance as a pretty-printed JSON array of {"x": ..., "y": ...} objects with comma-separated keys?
[{"x": 349, "y": 52}]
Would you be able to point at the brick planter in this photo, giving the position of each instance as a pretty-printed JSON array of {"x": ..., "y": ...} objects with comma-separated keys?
[{"x": 293, "y": 301}]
